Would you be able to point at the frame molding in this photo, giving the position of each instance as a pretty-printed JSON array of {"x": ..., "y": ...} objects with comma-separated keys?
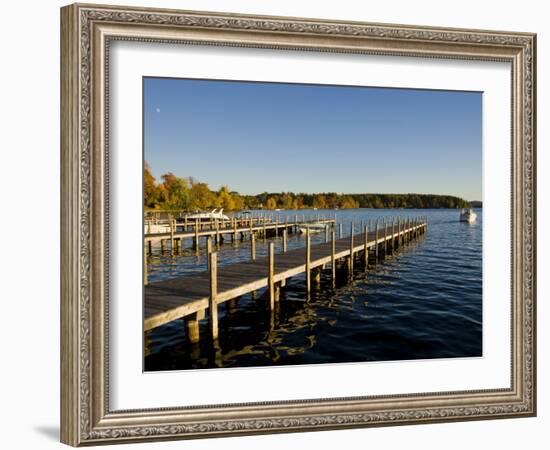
[{"x": 86, "y": 31}]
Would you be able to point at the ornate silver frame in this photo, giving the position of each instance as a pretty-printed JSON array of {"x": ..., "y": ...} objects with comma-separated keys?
[{"x": 86, "y": 31}]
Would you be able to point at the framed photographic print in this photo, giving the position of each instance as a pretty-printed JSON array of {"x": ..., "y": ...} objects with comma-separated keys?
[{"x": 276, "y": 224}]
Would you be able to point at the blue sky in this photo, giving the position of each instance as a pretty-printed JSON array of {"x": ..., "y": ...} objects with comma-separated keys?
[{"x": 257, "y": 137}]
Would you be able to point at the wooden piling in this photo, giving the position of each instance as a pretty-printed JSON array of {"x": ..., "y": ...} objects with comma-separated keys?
[
  {"x": 271, "y": 276},
  {"x": 385, "y": 238},
  {"x": 208, "y": 250},
  {"x": 285, "y": 232},
  {"x": 145, "y": 276},
  {"x": 333, "y": 254},
  {"x": 340, "y": 231},
  {"x": 252, "y": 246},
  {"x": 197, "y": 234},
  {"x": 150, "y": 247},
  {"x": 366, "y": 247},
  {"x": 376, "y": 241},
  {"x": 192, "y": 328},
  {"x": 317, "y": 276},
  {"x": 212, "y": 303},
  {"x": 171, "y": 220},
  {"x": 351, "y": 250},
  {"x": 308, "y": 261}
]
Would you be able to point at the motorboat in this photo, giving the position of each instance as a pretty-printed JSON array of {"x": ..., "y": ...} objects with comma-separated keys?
[
  {"x": 156, "y": 228},
  {"x": 215, "y": 214},
  {"x": 468, "y": 215},
  {"x": 313, "y": 228}
]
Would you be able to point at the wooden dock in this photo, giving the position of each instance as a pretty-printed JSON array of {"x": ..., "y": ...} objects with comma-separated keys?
[
  {"x": 191, "y": 297},
  {"x": 236, "y": 229}
]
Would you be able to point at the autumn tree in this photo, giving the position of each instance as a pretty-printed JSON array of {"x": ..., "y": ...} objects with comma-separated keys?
[
  {"x": 319, "y": 201},
  {"x": 150, "y": 189},
  {"x": 271, "y": 203},
  {"x": 225, "y": 199}
]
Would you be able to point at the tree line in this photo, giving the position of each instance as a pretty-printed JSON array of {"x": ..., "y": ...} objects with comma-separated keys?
[{"x": 188, "y": 194}]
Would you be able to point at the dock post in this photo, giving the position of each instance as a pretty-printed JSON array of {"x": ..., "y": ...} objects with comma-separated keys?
[
  {"x": 376, "y": 241},
  {"x": 366, "y": 249},
  {"x": 333, "y": 252},
  {"x": 399, "y": 242},
  {"x": 265, "y": 232},
  {"x": 162, "y": 246},
  {"x": 235, "y": 236},
  {"x": 285, "y": 232},
  {"x": 171, "y": 219},
  {"x": 308, "y": 261},
  {"x": 218, "y": 233},
  {"x": 197, "y": 235},
  {"x": 192, "y": 328},
  {"x": 185, "y": 223},
  {"x": 340, "y": 231},
  {"x": 208, "y": 250},
  {"x": 351, "y": 250},
  {"x": 145, "y": 278},
  {"x": 393, "y": 240},
  {"x": 252, "y": 246},
  {"x": 385, "y": 238},
  {"x": 326, "y": 233},
  {"x": 212, "y": 303},
  {"x": 271, "y": 275},
  {"x": 150, "y": 247},
  {"x": 277, "y": 227}
]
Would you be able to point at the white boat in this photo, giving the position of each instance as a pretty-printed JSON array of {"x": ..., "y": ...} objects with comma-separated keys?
[
  {"x": 208, "y": 216},
  {"x": 155, "y": 228},
  {"x": 313, "y": 228},
  {"x": 468, "y": 215}
]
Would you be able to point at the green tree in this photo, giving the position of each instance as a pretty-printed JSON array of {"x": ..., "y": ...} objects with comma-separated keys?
[
  {"x": 201, "y": 197},
  {"x": 176, "y": 192},
  {"x": 287, "y": 201}
]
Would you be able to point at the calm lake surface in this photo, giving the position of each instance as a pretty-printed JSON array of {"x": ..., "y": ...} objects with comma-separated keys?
[{"x": 423, "y": 302}]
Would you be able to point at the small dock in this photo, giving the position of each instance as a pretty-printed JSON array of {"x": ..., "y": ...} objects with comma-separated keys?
[
  {"x": 237, "y": 229},
  {"x": 198, "y": 295}
]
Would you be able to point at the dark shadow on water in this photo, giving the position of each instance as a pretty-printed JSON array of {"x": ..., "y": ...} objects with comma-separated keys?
[{"x": 49, "y": 431}]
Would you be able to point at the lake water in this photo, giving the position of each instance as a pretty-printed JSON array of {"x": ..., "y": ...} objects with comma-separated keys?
[{"x": 423, "y": 302}]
